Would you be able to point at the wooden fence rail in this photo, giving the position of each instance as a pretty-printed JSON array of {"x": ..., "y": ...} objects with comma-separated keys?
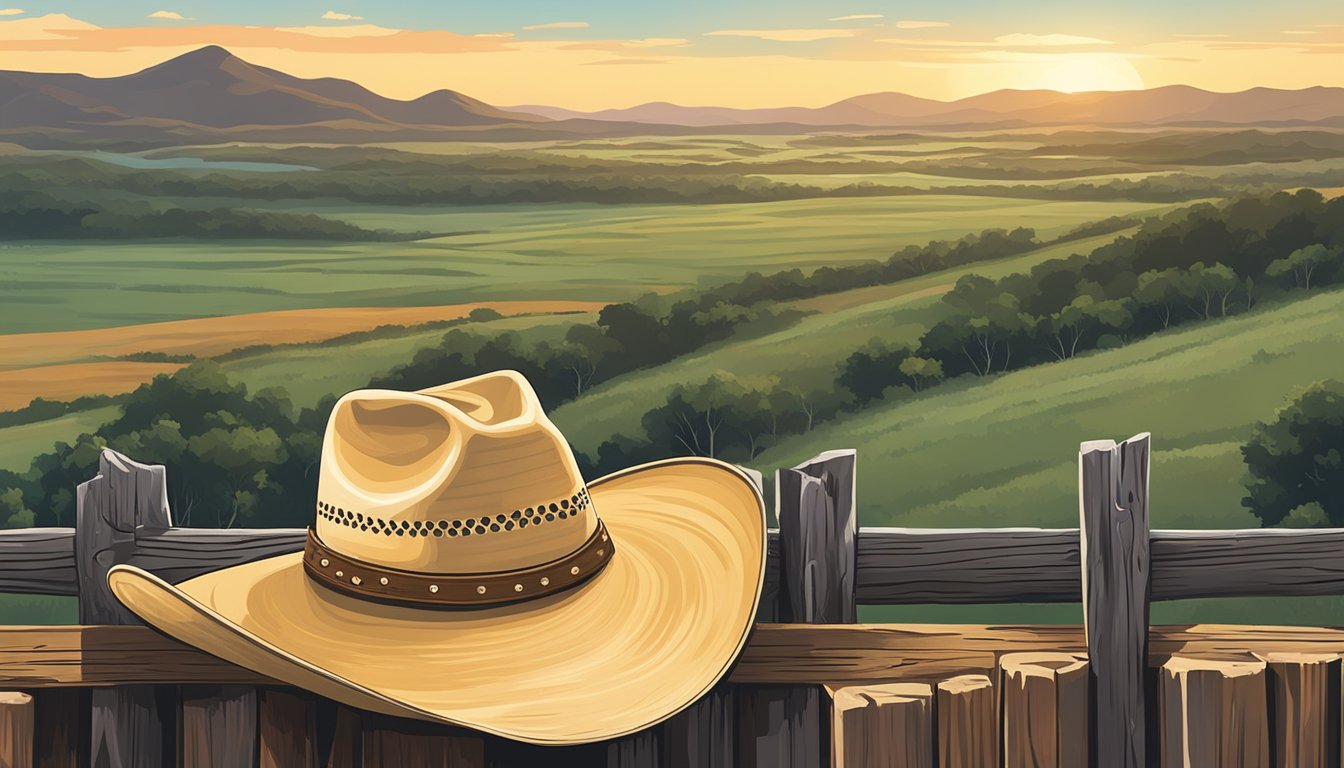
[{"x": 778, "y": 706}]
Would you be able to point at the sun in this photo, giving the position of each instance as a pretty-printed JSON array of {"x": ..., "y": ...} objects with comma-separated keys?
[{"x": 1075, "y": 73}]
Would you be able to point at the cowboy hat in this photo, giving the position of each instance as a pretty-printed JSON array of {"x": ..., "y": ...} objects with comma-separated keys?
[{"x": 459, "y": 570}]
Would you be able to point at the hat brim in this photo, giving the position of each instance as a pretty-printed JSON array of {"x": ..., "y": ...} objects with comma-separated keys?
[{"x": 650, "y": 634}]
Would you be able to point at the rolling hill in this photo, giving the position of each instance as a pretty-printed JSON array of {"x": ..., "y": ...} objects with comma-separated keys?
[{"x": 1176, "y": 104}]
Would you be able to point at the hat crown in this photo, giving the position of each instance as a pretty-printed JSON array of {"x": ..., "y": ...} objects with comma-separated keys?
[{"x": 466, "y": 478}]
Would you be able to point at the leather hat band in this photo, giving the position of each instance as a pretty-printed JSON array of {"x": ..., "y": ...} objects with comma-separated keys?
[{"x": 373, "y": 582}]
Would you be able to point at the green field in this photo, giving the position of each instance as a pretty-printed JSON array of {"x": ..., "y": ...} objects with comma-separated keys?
[
  {"x": 603, "y": 253},
  {"x": 1002, "y": 452},
  {"x": 19, "y": 444}
]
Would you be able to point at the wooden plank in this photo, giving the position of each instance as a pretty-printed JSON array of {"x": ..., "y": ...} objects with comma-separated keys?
[
  {"x": 702, "y": 735},
  {"x": 62, "y": 727},
  {"x": 1214, "y": 712},
  {"x": 287, "y": 730},
  {"x": 640, "y": 750},
  {"x": 777, "y": 726},
  {"x": 17, "y": 729},
  {"x": 894, "y": 566},
  {"x": 882, "y": 725},
  {"x": 1113, "y": 517},
  {"x": 340, "y": 736},
  {"x": 1045, "y": 710},
  {"x": 968, "y": 723},
  {"x": 777, "y": 654},
  {"x": 912, "y": 566},
  {"x": 38, "y": 561},
  {"x": 131, "y": 725},
  {"x": 1304, "y": 705},
  {"x": 392, "y": 743},
  {"x": 1258, "y": 562},
  {"x": 218, "y": 726}
]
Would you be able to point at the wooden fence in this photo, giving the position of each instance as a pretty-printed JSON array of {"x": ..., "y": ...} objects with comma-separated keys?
[{"x": 812, "y": 687}]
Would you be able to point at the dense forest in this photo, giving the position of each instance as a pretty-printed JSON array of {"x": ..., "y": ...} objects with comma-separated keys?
[{"x": 242, "y": 458}]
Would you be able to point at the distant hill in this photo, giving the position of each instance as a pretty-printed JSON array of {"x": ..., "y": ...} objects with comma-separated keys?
[
  {"x": 1156, "y": 106},
  {"x": 210, "y": 95}
]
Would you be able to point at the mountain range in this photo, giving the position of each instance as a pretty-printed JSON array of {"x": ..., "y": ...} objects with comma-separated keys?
[
  {"x": 210, "y": 95},
  {"x": 1155, "y": 106}
]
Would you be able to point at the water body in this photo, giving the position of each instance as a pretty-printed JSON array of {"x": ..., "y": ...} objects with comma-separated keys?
[{"x": 191, "y": 163}]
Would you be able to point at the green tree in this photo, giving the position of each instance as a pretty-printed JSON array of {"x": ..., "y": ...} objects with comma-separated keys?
[
  {"x": 1297, "y": 459},
  {"x": 1302, "y": 264},
  {"x": 921, "y": 371}
]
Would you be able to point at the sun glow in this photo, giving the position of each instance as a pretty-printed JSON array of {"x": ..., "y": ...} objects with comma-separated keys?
[{"x": 1086, "y": 72}]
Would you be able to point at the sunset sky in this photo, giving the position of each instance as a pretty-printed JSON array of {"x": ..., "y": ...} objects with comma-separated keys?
[{"x": 594, "y": 54}]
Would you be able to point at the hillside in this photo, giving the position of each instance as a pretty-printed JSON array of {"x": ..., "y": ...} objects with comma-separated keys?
[{"x": 1155, "y": 106}]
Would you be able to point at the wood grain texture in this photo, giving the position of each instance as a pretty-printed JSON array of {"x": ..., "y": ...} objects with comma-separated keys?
[
  {"x": 218, "y": 726},
  {"x": 910, "y": 566},
  {"x": 640, "y": 750},
  {"x": 38, "y": 561},
  {"x": 702, "y": 735},
  {"x": 882, "y": 725},
  {"x": 62, "y": 727},
  {"x": 1304, "y": 705},
  {"x": 1214, "y": 712},
  {"x": 286, "y": 730},
  {"x": 18, "y": 727},
  {"x": 968, "y": 723},
  {"x": 778, "y": 726},
  {"x": 815, "y": 505},
  {"x": 842, "y": 654},
  {"x": 1045, "y": 710},
  {"x": 894, "y": 566},
  {"x": 386, "y": 747},
  {"x": 340, "y": 737},
  {"x": 1113, "y": 515},
  {"x": 131, "y": 726}
]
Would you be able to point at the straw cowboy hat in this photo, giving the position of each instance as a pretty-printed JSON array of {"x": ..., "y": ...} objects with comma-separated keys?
[{"x": 461, "y": 571}]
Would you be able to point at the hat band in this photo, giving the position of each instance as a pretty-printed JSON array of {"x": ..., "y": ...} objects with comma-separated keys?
[{"x": 365, "y": 580}]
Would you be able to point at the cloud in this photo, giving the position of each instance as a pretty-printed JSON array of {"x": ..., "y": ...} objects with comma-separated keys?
[
  {"x": 784, "y": 35},
  {"x": 334, "y": 16},
  {"x": 170, "y": 15},
  {"x": 345, "y": 30},
  {"x": 916, "y": 24},
  {"x": 54, "y": 29},
  {"x": 1297, "y": 32},
  {"x": 559, "y": 25},
  {"x": 493, "y": 34},
  {"x": 10, "y": 11},
  {"x": 857, "y": 17},
  {"x": 1027, "y": 40}
]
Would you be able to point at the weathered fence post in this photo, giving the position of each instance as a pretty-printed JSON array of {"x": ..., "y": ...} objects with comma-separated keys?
[
  {"x": 17, "y": 726},
  {"x": 219, "y": 726},
  {"x": 1045, "y": 708},
  {"x": 702, "y": 735},
  {"x": 1304, "y": 705},
  {"x": 1113, "y": 517},
  {"x": 815, "y": 506},
  {"x": 131, "y": 725},
  {"x": 873, "y": 726},
  {"x": 1214, "y": 712},
  {"x": 968, "y": 725},
  {"x": 287, "y": 733}
]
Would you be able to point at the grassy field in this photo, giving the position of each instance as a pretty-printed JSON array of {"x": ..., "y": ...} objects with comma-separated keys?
[
  {"x": 509, "y": 252},
  {"x": 1003, "y": 451},
  {"x": 19, "y": 444},
  {"x": 804, "y": 354}
]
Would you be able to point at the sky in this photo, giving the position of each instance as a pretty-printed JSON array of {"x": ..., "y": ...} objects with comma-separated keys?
[{"x": 597, "y": 54}]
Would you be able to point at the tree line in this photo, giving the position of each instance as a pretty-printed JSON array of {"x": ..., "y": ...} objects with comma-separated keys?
[{"x": 31, "y": 215}]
